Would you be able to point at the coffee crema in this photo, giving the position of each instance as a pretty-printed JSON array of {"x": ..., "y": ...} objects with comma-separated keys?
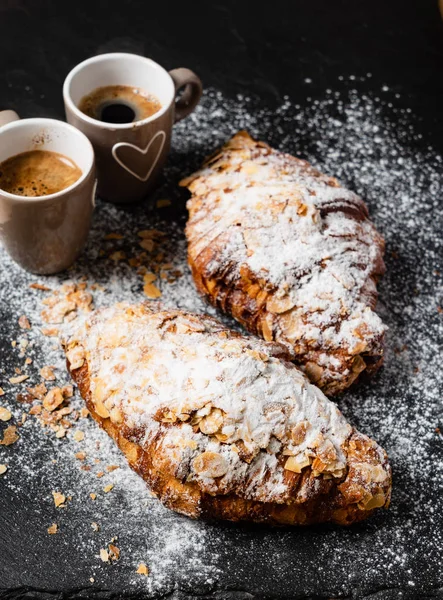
[
  {"x": 38, "y": 173},
  {"x": 119, "y": 104}
]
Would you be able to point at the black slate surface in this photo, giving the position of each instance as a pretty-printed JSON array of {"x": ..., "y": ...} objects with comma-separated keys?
[{"x": 267, "y": 53}]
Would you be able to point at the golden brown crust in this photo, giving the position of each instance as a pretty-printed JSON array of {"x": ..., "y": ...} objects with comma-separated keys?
[
  {"x": 250, "y": 206},
  {"x": 310, "y": 497}
]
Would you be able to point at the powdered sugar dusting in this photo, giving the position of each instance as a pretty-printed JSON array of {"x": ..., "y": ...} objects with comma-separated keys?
[{"x": 374, "y": 149}]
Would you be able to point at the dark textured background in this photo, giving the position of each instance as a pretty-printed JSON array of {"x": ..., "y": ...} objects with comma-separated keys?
[{"x": 236, "y": 47}]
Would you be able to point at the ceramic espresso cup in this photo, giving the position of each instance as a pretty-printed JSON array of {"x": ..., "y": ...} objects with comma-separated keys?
[
  {"x": 130, "y": 156},
  {"x": 45, "y": 234}
]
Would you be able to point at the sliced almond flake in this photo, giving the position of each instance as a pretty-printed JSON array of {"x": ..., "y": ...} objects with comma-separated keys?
[
  {"x": 39, "y": 286},
  {"x": 19, "y": 379},
  {"x": 5, "y": 414},
  {"x": 68, "y": 391},
  {"x": 117, "y": 255},
  {"x": 114, "y": 552},
  {"x": 47, "y": 373},
  {"x": 28, "y": 361},
  {"x": 113, "y": 236},
  {"x": 100, "y": 474},
  {"x": 39, "y": 391},
  {"x": 61, "y": 433},
  {"x": 2, "y": 392},
  {"x": 147, "y": 244},
  {"x": 9, "y": 436},
  {"x": 95, "y": 526},
  {"x": 36, "y": 409},
  {"x": 93, "y": 496},
  {"x": 3, "y": 469},
  {"x": 84, "y": 412},
  {"x": 79, "y": 436},
  {"x": 24, "y": 322},
  {"x": 80, "y": 455},
  {"x": 149, "y": 277},
  {"x": 59, "y": 499},
  {"x": 53, "y": 399},
  {"x": 53, "y": 529},
  {"x": 104, "y": 555},
  {"x": 14, "y": 343},
  {"x": 142, "y": 569},
  {"x": 108, "y": 488},
  {"x": 50, "y": 331},
  {"x": 152, "y": 291},
  {"x": 111, "y": 468}
]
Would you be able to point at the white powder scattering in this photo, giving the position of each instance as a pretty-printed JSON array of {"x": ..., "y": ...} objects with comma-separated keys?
[{"x": 374, "y": 147}]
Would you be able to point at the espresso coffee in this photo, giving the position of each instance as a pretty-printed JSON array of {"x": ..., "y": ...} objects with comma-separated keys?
[
  {"x": 119, "y": 104},
  {"x": 37, "y": 173}
]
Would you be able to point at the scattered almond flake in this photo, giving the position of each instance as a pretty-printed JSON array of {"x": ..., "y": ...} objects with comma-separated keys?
[
  {"x": 19, "y": 379},
  {"x": 152, "y": 291},
  {"x": 28, "y": 361},
  {"x": 14, "y": 343},
  {"x": 93, "y": 496},
  {"x": 104, "y": 555},
  {"x": 100, "y": 474},
  {"x": 3, "y": 469},
  {"x": 39, "y": 286},
  {"x": 59, "y": 499},
  {"x": 91, "y": 579},
  {"x": 38, "y": 392},
  {"x": 117, "y": 255},
  {"x": 53, "y": 399},
  {"x": 5, "y": 414},
  {"x": 68, "y": 391},
  {"x": 18, "y": 371},
  {"x": 84, "y": 412},
  {"x": 53, "y": 529},
  {"x": 61, "y": 433},
  {"x": 149, "y": 277},
  {"x": 111, "y": 468},
  {"x": 147, "y": 244},
  {"x": 47, "y": 373},
  {"x": 95, "y": 526},
  {"x": 163, "y": 202},
  {"x": 80, "y": 455},
  {"x": 36, "y": 409},
  {"x": 114, "y": 552},
  {"x": 2, "y": 392},
  {"x": 50, "y": 331},
  {"x": 108, "y": 488},
  {"x": 78, "y": 436},
  {"x": 24, "y": 322},
  {"x": 142, "y": 569},
  {"x": 113, "y": 236},
  {"x": 9, "y": 436}
]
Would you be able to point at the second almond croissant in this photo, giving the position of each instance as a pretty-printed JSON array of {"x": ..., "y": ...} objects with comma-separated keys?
[
  {"x": 221, "y": 425},
  {"x": 290, "y": 254}
]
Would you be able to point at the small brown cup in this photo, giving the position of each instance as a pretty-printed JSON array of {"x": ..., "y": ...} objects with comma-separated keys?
[
  {"x": 130, "y": 156},
  {"x": 45, "y": 234}
]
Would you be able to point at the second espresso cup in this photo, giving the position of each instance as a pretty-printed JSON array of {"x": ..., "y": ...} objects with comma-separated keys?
[{"x": 130, "y": 156}]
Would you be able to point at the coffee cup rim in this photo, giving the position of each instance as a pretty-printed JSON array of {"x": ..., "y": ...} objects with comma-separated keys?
[
  {"x": 114, "y": 126},
  {"x": 53, "y": 122}
]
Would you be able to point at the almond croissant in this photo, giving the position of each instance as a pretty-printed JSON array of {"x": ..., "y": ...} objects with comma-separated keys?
[
  {"x": 291, "y": 255},
  {"x": 221, "y": 425}
]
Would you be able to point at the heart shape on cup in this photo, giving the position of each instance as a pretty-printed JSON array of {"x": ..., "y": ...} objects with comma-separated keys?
[{"x": 115, "y": 148}]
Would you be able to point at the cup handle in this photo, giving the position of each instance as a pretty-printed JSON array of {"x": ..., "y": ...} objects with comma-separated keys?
[
  {"x": 192, "y": 92},
  {"x": 7, "y": 116}
]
